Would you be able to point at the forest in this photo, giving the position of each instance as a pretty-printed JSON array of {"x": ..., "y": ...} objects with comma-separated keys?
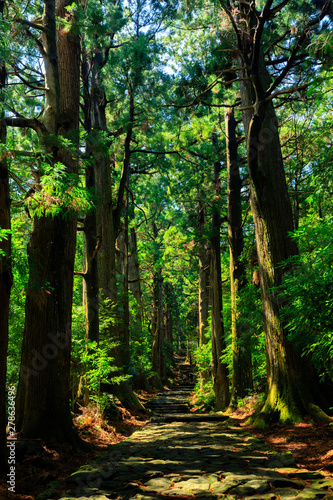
[{"x": 165, "y": 184}]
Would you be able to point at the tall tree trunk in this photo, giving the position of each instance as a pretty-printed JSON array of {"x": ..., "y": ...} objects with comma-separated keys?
[
  {"x": 203, "y": 278},
  {"x": 134, "y": 267},
  {"x": 157, "y": 325},
  {"x": 219, "y": 369},
  {"x": 169, "y": 298},
  {"x": 123, "y": 307},
  {"x": 158, "y": 362},
  {"x": 91, "y": 243},
  {"x": 44, "y": 386},
  {"x": 104, "y": 202},
  {"x": 168, "y": 324},
  {"x": 106, "y": 256},
  {"x": 5, "y": 272},
  {"x": 292, "y": 389},
  {"x": 241, "y": 338},
  {"x": 134, "y": 280},
  {"x": 109, "y": 226},
  {"x": 204, "y": 267},
  {"x": 90, "y": 288}
]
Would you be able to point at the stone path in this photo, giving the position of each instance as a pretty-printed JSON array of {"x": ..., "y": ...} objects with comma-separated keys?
[
  {"x": 169, "y": 406},
  {"x": 201, "y": 460},
  {"x": 184, "y": 456}
]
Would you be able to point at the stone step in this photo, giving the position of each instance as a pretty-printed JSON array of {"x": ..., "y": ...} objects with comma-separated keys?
[
  {"x": 183, "y": 391},
  {"x": 186, "y": 387},
  {"x": 175, "y": 401},
  {"x": 188, "y": 417},
  {"x": 183, "y": 408},
  {"x": 170, "y": 411},
  {"x": 168, "y": 402}
]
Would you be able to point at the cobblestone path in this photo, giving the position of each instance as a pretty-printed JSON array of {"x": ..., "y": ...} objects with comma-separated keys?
[
  {"x": 179, "y": 455},
  {"x": 191, "y": 459}
]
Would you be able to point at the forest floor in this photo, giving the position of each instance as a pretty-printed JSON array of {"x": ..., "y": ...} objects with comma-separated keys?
[{"x": 310, "y": 443}]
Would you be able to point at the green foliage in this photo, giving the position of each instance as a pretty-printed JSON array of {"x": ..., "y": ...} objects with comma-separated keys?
[
  {"x": 140, "y": 353},
  {"x": 99, "y": 362},
  {"x": 252, "y": 322},
  {"x": 309, "y": 295},
  {"x": 95, "y": 366},
  {"x": 61, "y": 193},
  {"x": 4, "y": 235},
  {"x": 321, "y": 46},
  {"x": 204, "y": 395},
  {"x": 202, "y": 356},
  {"x": 99, "y": 22},
  {"x": 107, "y": 314},
  {"x": 140, "y": 346},
  {"x": 92, "y": 362},
  {"x": 204, "y": 392},
  {"x": 21, "y": 227}
]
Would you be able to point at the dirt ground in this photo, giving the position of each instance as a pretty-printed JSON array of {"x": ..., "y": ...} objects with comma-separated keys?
[
  {"x": 34, "y": 471},
  {"x": 310, "y": 443}
]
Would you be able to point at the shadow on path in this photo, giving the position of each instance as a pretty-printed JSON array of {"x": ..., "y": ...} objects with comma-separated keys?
[
  {"x": 191, "y": 459},
  {"x": 179, "y": 455}
]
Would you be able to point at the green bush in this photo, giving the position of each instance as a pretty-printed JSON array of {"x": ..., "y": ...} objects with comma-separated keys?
[
  {"x": 204, "y": 394},
  {"x": 308, "y": 293}
]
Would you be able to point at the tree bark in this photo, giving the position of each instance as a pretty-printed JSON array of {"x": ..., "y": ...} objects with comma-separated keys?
[
  {"x": 241, "y": 338},
  {"x": 204, "y": 269},
  {"x": 44, "y": 386},
  {"x": 169, "y": 296},
  {"x": 123, "y": 314},
  {"x": 219, "y": 369},
  {"x": 158, "y": 362},
  {"x": 168, "y": 324},
  {"x": 91, "y": 243},
  {"x": 134, "y": 282},
  {"x": 109, "y": 226},
  {"x": 134, "y": 267},
  {"x": 203, "y": 278}
]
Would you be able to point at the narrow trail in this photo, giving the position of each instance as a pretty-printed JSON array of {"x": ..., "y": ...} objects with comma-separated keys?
[{"x": 179, "y": 455}]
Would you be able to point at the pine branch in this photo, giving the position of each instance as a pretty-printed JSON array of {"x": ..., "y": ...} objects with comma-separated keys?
[
  {"x": 297, "y": 47},
  {"x": 77, "y": 273},
  {"x": 33, "y": 87},
  {"x": 264, "y": 15},
  {"x": 227, "y": 10},
  {"x": 217, "y": 81},
  {"x": 25, "y": 123},
  {"x": 277, "y": 9},
  {"x": 30, "y": 24},
  {"x": 289, "y": 90},
  {"x": 300, "y": 57},
  {"x": 154, "y": 152}
]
